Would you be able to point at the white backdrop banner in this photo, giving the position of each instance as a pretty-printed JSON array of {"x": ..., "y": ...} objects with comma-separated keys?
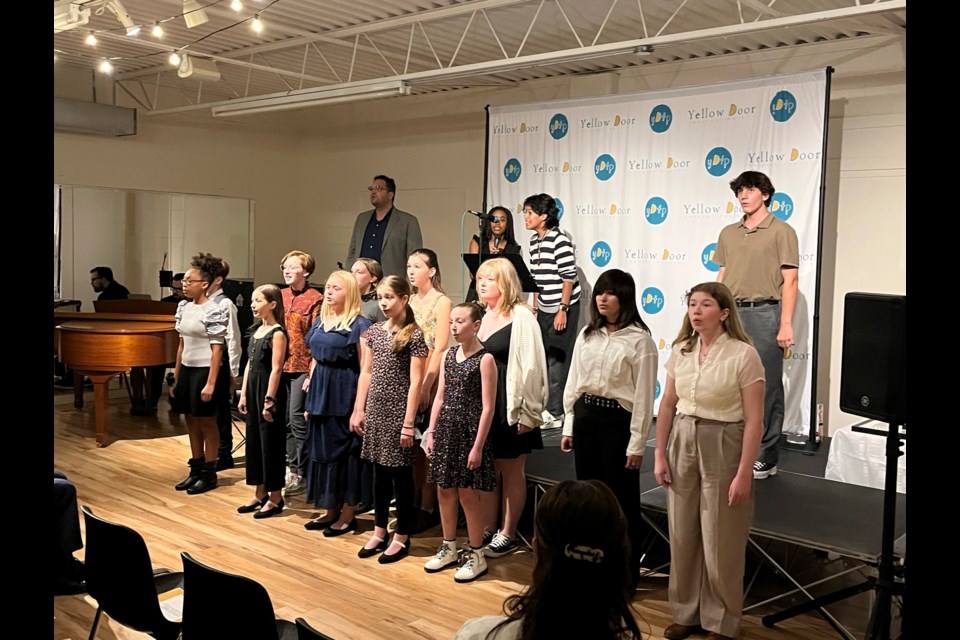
[{"x": 642, "y": 182}]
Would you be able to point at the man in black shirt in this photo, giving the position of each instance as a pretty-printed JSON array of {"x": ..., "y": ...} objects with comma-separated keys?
[{"x": 101, "y": 279}]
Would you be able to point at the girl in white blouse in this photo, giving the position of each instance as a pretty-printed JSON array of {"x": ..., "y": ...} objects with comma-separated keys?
[
  {"x": 608, "y": 399},
  {"x": 704, "y": 457}
]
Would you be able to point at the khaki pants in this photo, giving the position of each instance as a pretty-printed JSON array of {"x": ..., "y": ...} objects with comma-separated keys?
[{"x": 708, "y": 538}]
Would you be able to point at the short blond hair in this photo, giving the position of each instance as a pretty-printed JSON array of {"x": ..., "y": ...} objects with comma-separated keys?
[{"x": 505, "y": 275}]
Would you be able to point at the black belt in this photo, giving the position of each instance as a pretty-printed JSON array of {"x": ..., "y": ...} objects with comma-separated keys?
[
  {"x": 597, "y": 401},
  {"x": 756, "y": 303}
]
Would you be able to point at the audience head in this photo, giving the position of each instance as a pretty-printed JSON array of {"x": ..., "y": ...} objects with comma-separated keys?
[{"x": 580, "y": 586}]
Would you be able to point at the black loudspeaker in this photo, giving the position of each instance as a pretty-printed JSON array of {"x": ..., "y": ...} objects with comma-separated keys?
[
  {"x": 873, "y": 373},
  {"x": 240, "y": 291}
]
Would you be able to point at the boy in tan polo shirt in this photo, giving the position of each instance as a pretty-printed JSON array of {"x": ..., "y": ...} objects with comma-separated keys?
[{"x": 759, "y": 257}]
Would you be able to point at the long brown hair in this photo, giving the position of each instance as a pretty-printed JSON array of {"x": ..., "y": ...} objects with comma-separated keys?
[
  {"x": 271, "y": 293},
  {"x": 732, "y": 325},
  {"x": 581, "y": 547},
  {"x": 401, "y": 289}
]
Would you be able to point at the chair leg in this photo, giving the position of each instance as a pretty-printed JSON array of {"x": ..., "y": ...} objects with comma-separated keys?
[{"x": 96, "y": 622}]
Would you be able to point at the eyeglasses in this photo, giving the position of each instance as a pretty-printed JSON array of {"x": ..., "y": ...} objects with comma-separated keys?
[
  {"x": 188, "y": 283},
  {"x": 376, "y": 187}
]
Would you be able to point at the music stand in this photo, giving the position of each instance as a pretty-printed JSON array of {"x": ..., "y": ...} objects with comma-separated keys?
[{"x": 527, "y": 283}]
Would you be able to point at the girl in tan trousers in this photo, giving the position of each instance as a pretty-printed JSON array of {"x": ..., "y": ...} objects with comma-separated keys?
[{"x": 704, "y": 457}]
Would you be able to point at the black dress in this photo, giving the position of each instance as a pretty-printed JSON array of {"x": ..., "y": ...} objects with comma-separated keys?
[
  {"x": 507, "y": 443},
  {"x": 266, "y": 441}
]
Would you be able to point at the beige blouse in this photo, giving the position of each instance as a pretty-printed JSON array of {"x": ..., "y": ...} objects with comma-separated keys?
[
  {"x": 712, "y": 390},
  {"x": 621, "y": 366}
]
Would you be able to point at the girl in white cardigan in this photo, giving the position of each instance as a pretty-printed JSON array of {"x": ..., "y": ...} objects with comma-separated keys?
[{"x": 509, "y": 331}]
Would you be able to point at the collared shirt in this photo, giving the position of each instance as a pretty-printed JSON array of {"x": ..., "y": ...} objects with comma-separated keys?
[
  {"x": 752, "y": 258},
  {"x": 301, "y": 310},
  {"x": 712, "y": 390},
  {"x": 621, "y": 366},
  {"x": 372, "y": 246}
]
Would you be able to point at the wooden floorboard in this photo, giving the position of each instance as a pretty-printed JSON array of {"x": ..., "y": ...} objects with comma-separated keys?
[{"x": 131, "y": 481}]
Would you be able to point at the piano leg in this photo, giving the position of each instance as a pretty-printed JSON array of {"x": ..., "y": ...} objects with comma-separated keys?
[{"x": 100, "y": 393}]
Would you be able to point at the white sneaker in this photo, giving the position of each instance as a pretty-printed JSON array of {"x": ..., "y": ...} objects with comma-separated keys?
[
  {"x": 474, "y": 566},
  {"x": 446, "y": 556}
]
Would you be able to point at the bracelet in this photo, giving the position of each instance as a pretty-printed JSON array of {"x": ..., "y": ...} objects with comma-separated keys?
[{"x": 269, "y": 399}]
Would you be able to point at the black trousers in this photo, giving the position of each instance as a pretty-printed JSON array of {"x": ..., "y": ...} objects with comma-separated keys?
[
  {"x": 386, "y": 481},
  {"x": 66, "y": 518},
  {"x": 600, "y": 438}
]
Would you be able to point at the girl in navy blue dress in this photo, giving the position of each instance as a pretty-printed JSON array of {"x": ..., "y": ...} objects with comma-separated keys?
[
  {"x": 263, "y": 400},
  {"x": 334, "y": 476}
]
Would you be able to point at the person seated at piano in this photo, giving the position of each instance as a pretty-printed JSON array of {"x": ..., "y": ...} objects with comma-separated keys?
[
  {"x": 201, "y": 378},
  {"x": 101, "y": 279},
  {"x": 176, "y": 289},
  {"x": 497, "y": 239}
]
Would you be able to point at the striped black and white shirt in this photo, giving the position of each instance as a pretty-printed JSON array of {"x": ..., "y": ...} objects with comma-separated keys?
[{"x": 553, "y": 263}]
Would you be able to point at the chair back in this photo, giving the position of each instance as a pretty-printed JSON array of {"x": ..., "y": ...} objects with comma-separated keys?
[
  {"x": 306, "y": 632},
  {"x": 120, "y": 577},
  {"x": 205, "y": 590}
]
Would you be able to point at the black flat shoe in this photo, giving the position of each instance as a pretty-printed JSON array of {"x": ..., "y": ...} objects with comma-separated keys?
[
  {"x": 250, "y": 508},
  {"x": 369, "y": 553},
  {"x": 318, "y": 525},
  {"x": 399, "y": 555},
  {"x": 272, "y": 511},
  {"x": 333, "y": 533}
]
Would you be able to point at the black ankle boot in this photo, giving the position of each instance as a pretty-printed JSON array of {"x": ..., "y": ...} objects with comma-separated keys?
[
  {"x": 194, "y": 474},
  {"x": 208, "y": 478}
]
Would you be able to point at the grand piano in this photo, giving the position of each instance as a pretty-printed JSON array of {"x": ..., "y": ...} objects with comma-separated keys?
[{"x": 105, "y": 344}]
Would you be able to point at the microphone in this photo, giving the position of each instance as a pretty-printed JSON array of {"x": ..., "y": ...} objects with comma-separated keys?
[
  {"x": 496, "y": 242},
  {"x": 484, "y": 216}
]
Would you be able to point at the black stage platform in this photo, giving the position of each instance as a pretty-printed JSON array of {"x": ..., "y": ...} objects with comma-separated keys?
[{"x": 797, "y": 506}]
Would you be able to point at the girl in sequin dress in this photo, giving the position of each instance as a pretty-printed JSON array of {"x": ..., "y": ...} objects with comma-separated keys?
[{"x": 461, "y": 455}]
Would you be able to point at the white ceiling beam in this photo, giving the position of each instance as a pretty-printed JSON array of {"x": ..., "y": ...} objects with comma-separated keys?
[{"x": 624, "y": 47}]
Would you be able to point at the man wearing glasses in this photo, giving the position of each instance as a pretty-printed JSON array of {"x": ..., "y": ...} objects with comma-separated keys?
[
  {"x": 386, "y": 234},
  {"x": 101, "y": 279},
  {"x": 176, "y": 290}
]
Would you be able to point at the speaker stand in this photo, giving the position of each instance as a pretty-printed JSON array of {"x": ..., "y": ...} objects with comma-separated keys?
[{"x": 886, "y": 585}]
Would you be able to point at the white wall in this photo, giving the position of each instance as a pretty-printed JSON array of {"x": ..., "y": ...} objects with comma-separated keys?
[{"x": 307, "y": 171}]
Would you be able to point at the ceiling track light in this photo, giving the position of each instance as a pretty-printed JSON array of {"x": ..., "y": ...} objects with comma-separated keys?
[
  {"x": 123, "y": 16},
  {"x": 644, "y": 50}
]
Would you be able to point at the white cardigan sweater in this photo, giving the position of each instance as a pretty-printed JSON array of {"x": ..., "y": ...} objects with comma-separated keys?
[{"x": 526, "y": 370}]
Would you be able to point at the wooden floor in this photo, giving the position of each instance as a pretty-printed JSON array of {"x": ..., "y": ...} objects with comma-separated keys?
[{"x": 131, "y": 480}]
